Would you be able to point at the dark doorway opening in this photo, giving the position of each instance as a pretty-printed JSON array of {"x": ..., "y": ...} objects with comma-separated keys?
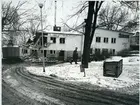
[
  {"x": 45, "y": 53},
  {"x": 61, "y": 55}
]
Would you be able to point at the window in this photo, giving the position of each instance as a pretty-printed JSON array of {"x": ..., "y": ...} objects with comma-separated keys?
[
  {"x": 105, "y": 40},
  {"x": 98, "y": 39},
  {"x": 53, "y": 39},
  {"x": 97, "y": 50},
  {"x": 112, "y": 51},
  {"x": 25, "y": 51},
  {"x": 52, "y": 51},
  {"x": 105, "y": 51},
  {"x": 62, "y": 40},
  {"x": 113, "y": 40},
  {"x": 122, "y": 35},
  {"x": 44, "y": 40}
]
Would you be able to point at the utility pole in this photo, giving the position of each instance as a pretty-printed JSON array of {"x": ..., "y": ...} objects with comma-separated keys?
[
  {"x": 55, "y": 13},
  {"x": 41, "y": 6}
]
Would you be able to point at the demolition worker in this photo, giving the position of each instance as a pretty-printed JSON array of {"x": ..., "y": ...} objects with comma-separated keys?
[{"x": 75, "y": 56}]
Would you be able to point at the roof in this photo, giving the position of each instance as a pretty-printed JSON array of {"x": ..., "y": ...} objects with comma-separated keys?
[
  {"x": 117, "y": 31},
  {"x": 60, "y": 32}
]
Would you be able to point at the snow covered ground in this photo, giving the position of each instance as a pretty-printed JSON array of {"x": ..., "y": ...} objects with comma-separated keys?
[{"x": 94, "y": 74}]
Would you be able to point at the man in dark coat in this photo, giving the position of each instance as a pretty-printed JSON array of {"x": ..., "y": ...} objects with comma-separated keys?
[{"x": 75, "y": 56}]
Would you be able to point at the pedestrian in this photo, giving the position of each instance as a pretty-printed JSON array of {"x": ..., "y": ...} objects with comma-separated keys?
[{"x": 75, "y": 56}]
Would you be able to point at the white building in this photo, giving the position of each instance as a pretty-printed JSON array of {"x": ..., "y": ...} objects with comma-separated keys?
[
  {"x": 110, "y": 41},
  {"x": 58, "y": 44}
]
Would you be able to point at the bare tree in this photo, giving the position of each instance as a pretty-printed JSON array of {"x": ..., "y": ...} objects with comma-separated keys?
[
  {"x": 132, "y": 24},
  {"x": 112, "y": 18},
  {"x": 133, "y": 5},
  {"x": 10, "y": 16},
  {"x": 90, "y": 27}
]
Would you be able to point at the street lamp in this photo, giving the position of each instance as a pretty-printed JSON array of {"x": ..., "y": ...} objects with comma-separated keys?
[{"x": 41, "y": 6}]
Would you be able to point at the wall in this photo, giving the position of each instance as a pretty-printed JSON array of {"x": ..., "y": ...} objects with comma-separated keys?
[
  {"x": 121, "y": 43},
  {"x": 71, "y": 41}
]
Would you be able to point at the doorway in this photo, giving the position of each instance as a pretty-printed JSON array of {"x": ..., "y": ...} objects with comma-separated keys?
[{"x": 61, "y": 55}]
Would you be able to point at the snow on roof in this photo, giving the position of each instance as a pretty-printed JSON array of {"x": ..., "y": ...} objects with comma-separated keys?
[
  {"x": 60, "y": 32},
  {"x": 128, "y": 33}
]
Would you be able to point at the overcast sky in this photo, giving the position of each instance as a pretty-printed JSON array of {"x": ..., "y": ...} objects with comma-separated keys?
[{"x": 65, "y": 8}]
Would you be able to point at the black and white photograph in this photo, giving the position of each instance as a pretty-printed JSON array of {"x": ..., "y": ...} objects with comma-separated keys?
[{"x": 70, "y": 52}]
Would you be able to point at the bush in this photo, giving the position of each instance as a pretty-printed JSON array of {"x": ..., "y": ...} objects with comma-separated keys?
[
  {"x": 99, "y": 57},
  {"x": 53, "y": 75},
  {"x": 12, "y": 60},
  {"x": 124, "y": 53}
]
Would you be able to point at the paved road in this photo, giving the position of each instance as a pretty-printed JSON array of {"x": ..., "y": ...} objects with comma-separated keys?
[{"x": 62, "y": 93}]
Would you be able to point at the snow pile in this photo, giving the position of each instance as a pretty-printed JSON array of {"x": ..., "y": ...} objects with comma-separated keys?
[
  {"x": 133, "y": 59},
  {"x": 94, "y": 74}
]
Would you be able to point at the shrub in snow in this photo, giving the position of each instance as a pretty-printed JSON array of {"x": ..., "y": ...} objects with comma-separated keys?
[
  {"x": 53, "y": 75},
  {"x": 99, "y": 56},
  {"x": 124, "y": 53}
]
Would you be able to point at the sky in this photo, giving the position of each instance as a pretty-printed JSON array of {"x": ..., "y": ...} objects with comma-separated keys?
[
  {"x": 63, "y": 11},
  {"x": 65, "y": 8}
]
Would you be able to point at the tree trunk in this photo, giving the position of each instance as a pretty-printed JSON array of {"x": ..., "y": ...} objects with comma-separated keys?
[
  {"x": 85, "y": 56},
  {"x": 2, "y": 24}
]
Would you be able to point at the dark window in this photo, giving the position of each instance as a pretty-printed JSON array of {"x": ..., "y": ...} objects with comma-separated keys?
[
  {"x": 53, "y": 39},
  {"x": 45, "y": 54},
  {"x": 44, "y": 40},
  {"x": 97, "y": 50},
  {"x": 62, "y": 40},
  {"x": 113, "y": 40},
  {"x": 52, "y": 51},
  {"x": 105, "y": 51},
  {"x": 105, "y": 40},
  {"x": 98, "y": 39},
  {"x": 26, "y": 51},
  {"x": 121, "y": 35},
  {"x": 41, "y": 41},
  {"x": 112, "y": 51}
]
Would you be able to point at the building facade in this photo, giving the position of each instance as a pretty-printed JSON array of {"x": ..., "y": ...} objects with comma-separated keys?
[
  {"x": 110, "y": 41},
  {"x": 134, "y": 41},
  {"x": 62, "y": 44},
  {"x": 58, "y": 44}
]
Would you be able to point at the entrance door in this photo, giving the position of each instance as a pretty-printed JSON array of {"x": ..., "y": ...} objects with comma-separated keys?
[
  {"x": 61, "y": 55},
  {"x": 45, "y": 53}
]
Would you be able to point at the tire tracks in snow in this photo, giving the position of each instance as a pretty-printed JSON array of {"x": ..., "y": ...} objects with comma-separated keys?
[{"x": 76, "y": 94}]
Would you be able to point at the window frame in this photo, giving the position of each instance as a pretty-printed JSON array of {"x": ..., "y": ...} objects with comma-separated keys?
[
  {"x": 62, "y": 40},
  {"x": 105, "y": 40},
  {"x": 53, "y": 39},
  {"x": 98, "y": 39},
  {"x": 113, "y": 40}
]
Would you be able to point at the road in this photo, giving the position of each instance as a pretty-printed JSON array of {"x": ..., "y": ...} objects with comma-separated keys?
[{"x": 57, "y": 92}]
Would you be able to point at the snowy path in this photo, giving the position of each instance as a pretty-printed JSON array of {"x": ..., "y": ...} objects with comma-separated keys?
[
  {"x": 127, "y": 82},
  {"x": 69, "y": 87},
  {"x": 53, "y": 91}
]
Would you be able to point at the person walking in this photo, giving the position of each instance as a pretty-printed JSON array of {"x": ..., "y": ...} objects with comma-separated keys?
[{"x": 75, "y": 56}]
